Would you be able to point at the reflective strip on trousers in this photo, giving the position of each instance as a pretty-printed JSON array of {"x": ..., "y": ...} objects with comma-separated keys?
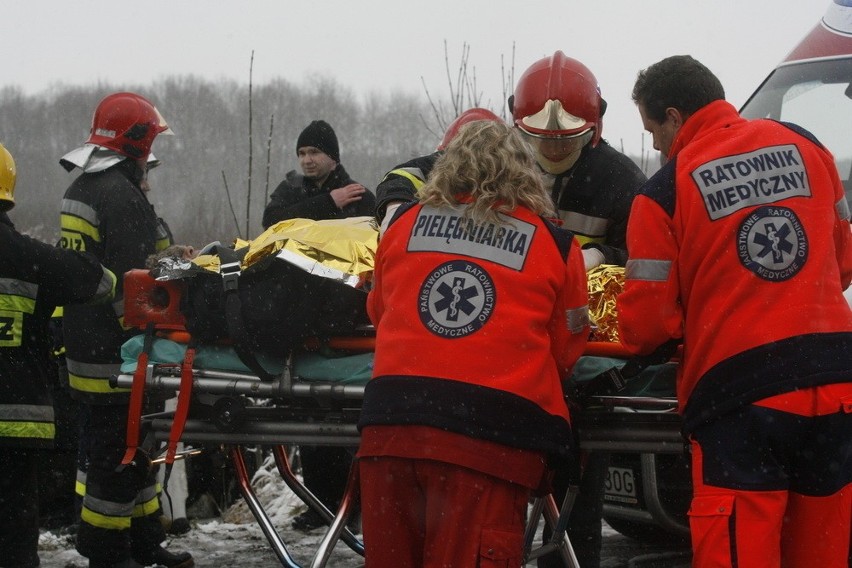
[
  {"x": 106, "y": 514},
  {"x": 147, "y": 503}
]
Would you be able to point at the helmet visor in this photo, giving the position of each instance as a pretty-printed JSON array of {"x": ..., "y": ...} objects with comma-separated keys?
[
  {"x": 557, "y": 148},
  {"x": 163, "y": 128}
]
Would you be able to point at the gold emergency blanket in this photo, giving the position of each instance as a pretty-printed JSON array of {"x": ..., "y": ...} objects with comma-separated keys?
[
  {"x": 341, "y": 249},
  {"x": 605, "y": 283}
]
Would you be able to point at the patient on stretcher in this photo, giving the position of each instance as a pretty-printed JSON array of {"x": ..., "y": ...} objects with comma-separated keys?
[{"x": 182, "y": 252}]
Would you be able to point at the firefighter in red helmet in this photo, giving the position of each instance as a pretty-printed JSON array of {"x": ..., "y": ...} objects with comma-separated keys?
[
  {"x": 106, "y": 212},
  {"x": 471, "y": 114},
  {"x": 128, "y": 124},
  {"x": 400, "y": 185},
  {"x": 35, "y": 277},
  {"x": 557, "y": 105}
]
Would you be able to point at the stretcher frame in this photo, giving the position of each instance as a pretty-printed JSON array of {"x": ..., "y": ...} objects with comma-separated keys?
[
  {"x": 615, "y": 424},
  {"x": 646, "y": 426},
  {"x": 290, "y": 424},
  {"x": 330, "y": 418}
]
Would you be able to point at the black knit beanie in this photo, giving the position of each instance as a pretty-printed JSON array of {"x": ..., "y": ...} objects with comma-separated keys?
[{"x": 319, "y": 135}]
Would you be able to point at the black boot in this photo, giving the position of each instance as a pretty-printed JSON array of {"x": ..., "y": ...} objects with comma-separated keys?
[
  {"x": 307, "y": 521},
  {"x": 159, "y": 556},
  {"x": 126, "y": 563}
]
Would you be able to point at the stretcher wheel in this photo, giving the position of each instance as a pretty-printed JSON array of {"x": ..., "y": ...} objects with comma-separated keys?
[{"x": 229, "y": 413}]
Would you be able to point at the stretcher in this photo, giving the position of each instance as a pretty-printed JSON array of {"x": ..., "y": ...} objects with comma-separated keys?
[{"x": 220, "y": 403}]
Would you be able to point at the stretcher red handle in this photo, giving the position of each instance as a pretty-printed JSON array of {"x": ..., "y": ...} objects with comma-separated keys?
[{"x": 606, "y": 349}]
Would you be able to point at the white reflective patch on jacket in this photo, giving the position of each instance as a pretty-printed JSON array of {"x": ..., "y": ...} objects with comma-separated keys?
[{"x": 646, "y": 269}]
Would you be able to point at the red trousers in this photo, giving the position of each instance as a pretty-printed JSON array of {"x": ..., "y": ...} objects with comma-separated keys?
[
  {"x": 773, "y": 483},
  {"x": 420, "y": 513}
]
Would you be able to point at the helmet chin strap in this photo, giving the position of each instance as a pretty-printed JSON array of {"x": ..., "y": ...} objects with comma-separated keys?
[{"x": 561, "y": 166}]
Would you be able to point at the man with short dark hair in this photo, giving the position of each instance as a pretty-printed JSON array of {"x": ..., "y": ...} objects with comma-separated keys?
[
  {"x": 741, "y": 247},
  {"x": 323, "y": 190}
]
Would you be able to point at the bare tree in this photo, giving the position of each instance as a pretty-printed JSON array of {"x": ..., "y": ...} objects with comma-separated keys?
[
  {"x": 250, "y": 153},
  {"x": 268, "y": 157},
  {"x": 231, "y": 204},
  {"x": 463, "y": 90},
  {"x": 508, "y": 80}
]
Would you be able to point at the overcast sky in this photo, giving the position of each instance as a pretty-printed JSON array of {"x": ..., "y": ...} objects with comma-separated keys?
[{"x": 388, "y": 45}]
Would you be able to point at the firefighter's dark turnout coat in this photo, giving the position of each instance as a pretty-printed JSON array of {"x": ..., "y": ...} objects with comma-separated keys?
[
  {"x": 108, "y": 215},
  {"x": 593, "y": 197},
  {"x": 34, "y": 278}
]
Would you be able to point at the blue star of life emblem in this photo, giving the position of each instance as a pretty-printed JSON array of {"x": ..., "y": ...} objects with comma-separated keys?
[
  {"x": 456, "y": 299},
  {"x": 771, "y": 242}
]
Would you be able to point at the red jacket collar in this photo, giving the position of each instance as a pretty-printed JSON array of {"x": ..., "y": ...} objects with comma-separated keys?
[{"x": 718, "y": 114}]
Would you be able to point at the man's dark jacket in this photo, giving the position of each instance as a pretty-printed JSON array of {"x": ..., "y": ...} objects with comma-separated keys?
[{"x": 299, "y": 197}]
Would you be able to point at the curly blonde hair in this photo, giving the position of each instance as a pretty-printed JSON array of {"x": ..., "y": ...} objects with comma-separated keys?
[{"x": 489, "y": 162}]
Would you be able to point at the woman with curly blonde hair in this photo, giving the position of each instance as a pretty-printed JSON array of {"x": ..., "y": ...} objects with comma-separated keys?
[
  {"x": 498, "y": 174},
  {"x": 480, "y": 309}
]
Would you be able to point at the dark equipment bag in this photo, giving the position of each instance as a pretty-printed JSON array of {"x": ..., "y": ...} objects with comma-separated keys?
[{"x": 271, "y": 307}]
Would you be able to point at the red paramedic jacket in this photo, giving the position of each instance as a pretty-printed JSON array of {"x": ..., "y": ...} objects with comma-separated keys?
[
  {"x": 741, "y": 245},
  {"x": 476, "y": 325}
]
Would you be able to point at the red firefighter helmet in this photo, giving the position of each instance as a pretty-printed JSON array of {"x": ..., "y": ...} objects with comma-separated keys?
[
  {"x": 558, "y": 96},
  {"x": 128, "y": 124},
  {"x": 469, "y": 115}
]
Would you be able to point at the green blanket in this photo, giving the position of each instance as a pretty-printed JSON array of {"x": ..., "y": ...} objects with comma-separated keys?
[
  {"x": 654, "y": 381},
  {"x": 313, "y": 366}
]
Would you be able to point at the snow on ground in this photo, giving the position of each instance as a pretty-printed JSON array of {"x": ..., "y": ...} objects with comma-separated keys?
[{"x": 235, "y": 539}]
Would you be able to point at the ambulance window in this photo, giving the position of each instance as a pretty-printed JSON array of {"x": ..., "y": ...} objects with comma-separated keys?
[{"x": 817, "y": 96}]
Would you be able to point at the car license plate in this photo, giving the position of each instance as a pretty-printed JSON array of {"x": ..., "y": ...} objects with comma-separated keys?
[{"x": 620, "y": 485}]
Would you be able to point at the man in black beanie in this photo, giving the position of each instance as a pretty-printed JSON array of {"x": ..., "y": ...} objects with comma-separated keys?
[{"x": 323, "y": 190}]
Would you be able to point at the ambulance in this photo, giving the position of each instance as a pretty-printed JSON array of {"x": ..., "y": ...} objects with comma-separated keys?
[
  {"x": 811, "y": 87},
  {"x": 648, "y": 493}
]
